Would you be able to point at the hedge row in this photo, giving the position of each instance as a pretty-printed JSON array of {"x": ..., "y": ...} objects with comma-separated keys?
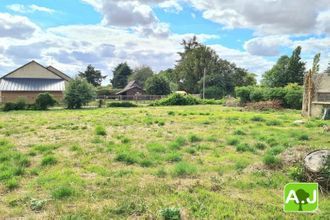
[{"x": 290, "y": 96}]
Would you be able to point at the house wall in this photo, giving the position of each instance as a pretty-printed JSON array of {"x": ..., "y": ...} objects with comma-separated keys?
[
  {"x": 35, "y": 71},
  {"x": 30, "y": 97}
]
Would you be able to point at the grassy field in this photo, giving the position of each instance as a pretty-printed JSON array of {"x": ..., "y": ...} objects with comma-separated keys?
[{"x": 211, "y": 162}]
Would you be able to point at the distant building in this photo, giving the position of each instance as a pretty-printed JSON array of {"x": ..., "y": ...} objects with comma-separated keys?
[
  {"x": 320, "y": 96},
  {"x": 132, "y": 89},
  {"x": 28, "y": 81}
]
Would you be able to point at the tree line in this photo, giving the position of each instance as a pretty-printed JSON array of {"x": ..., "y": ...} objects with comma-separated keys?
[{"x": 200, "y": 69}]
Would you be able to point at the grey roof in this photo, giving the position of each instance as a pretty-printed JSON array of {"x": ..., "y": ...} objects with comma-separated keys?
[
  {"x": 129, "y": 86},
  {"x": 26, "y": 84}
]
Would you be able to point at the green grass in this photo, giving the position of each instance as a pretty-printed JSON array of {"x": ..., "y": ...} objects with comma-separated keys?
[{"x": 204, "y": 162}]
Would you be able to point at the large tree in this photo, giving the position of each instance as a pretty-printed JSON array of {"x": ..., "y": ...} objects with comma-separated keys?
[
  {"x": 157, "y": 85},
  {"x": 296, "y": 68},
  {"x": 120, "y": 76},
  {"x": 275, "y": 77},
  {"x": 287, "y": 70},
  {"x": 141, "y": 74},
  {"x": 92, "y": 75},
  {"x": 221, "y": 76}
]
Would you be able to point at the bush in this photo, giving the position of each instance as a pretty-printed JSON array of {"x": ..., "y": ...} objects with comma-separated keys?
[
  {"x": 184, "y": 169},
  {"x": 214, "y": 92},
  {"x": 271, "y": 161},
  {"x": 293, "y": 97},
  {"x": 44, "y": 101},
  {"x": 100, "y": 130},
  {"x": 48, "y": 160},
  {"x": 257, "y": 95},
  {"x": 157, "y": 85},
  {"x": 62, "y": 192},
  {"x": 288, "y": 97},
  {"x": 121, "y": 104},
  {"x": 178, "y": 99},
  {"x": 78, "y": 93},
  {"x": 15, "y": 106},
  {"x": 170, "y": 213},
  {"x": 244, "y": 93}
]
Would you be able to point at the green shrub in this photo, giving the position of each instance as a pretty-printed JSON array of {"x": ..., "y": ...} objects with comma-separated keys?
[
  {"x": 271, "y": 161},
  {"x": 257, "y": 118},
  {"x": 121, "y": 105},
  {"x": 257, "y": 95},
  {"x": 62, "y": 192},
  {"x": 244, "y": 147},
  {"x": 289, "y": 96},
  {"x": 194, "y": 138},
  {"x": 178, "y": 99},
  {"x": 241, "y": 165},
  {"x": 11, "y": 184},
  {"x": 48, "y": 160},
  {"x": 100, "y": 130},
  {"x": 170, "y": 213},
  {"x": 239, "y": 132},
  {"x": 37, "y": 205},
  {"x": 294, "y": 96},
  {"x": 183, "y": 169},
  {"x": 303, "y": 137},
  {"x": 244, "y": 93},
  {"x": 78, "y": 93},
  {"x": 260, "y": 146},
  {"x": 15, "y": 106},
  {"x": 174, "y": 157},
  {"x": 273, "y": 123},
  {"x": 233, "y": 141},
  {"x": 128, "y": 157},
  {"x": 44, "y": 101}
]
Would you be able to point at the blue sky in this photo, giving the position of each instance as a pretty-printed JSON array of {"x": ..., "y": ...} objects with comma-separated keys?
[{"x": 72, "y": 34}]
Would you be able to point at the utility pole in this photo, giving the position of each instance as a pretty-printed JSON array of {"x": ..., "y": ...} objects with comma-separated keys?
[{"x": 204, "y": 82}]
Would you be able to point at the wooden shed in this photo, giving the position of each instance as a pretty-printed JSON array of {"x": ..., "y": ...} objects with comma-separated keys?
[{"x": 132, "y": 89}]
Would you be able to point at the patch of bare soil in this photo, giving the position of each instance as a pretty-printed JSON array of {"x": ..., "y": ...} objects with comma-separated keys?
[{"x": 294, "y": 155}]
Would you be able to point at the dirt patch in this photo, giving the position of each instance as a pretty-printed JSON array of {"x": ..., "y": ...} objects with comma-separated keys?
[{"x": 294, "y": 155}]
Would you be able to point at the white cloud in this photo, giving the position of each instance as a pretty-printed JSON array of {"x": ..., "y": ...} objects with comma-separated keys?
[
  {"x": 267, "y": 46},
  {"x": 16, "y": 26},
  {"x": 19, "y": 8},
  {"x": 266, "y": 16}
]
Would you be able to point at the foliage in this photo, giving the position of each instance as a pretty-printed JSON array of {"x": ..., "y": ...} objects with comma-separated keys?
[
  {"x": 178, "y": 99},
  {"x": 141, "y": 75},
  {"x": 78, "y": 93},
  {"x": 48, "y": 160},
  {"x": 170, "y": 213},
  {"x": 271, "y": 161},
  {"x": 157, "y": 85},
  {"x": 289, "y": 96},
  {"x": 15, "y": 106},
  {"x": 221, "y": 76},
  {"x": 120, "y": 76},
  {"x": 287, "y": 70},
  {"x": 121, "y": 104},
  {"x": 100, "y": 130},
  {"x": 184, "y": 169},
  {"x": 92, "y": 76},
  {"x": 44, "y": 101}
]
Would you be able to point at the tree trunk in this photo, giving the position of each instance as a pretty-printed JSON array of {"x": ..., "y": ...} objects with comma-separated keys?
[{"x": 317, "y": 168}]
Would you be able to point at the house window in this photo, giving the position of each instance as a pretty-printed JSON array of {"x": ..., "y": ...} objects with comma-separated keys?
[{"x": 323, "y": 97}]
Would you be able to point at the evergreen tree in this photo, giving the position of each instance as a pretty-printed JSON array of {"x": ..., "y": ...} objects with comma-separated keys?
[
  {"x": 92, "y": 76},
  {"x": 120, "y": 76}
]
